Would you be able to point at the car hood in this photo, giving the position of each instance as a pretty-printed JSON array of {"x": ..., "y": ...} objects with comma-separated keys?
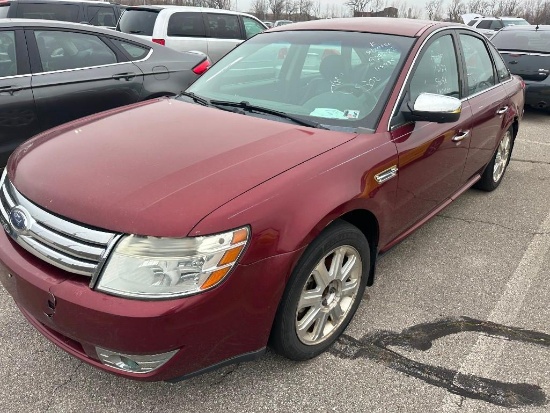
[{"x": 158, "y": 168}]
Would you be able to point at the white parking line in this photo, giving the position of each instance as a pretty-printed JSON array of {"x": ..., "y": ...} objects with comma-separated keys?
[{"x": 486, "y": 351}]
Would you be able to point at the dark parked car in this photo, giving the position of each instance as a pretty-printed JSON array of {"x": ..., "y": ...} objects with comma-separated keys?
[
  {"x": 55, "y": 72},
  {"x": 97, "y": 13},
  {"x": 526, "y": 52},
  {"x": 182, "y": 234}
]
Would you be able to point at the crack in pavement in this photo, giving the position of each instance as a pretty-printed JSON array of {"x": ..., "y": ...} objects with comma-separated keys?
[
  {"x": 62, "y": 384},
  {"x": 529, "y": 161},
  {"x": 475, "y": 221}
]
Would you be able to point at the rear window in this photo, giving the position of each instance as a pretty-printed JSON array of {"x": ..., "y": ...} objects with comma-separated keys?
[
  {"x": 50, "y": 11},
  {"x": 140, "y": 22},
  {"x": 4, "y": 11},
  {"x": 527, "y": 41}
]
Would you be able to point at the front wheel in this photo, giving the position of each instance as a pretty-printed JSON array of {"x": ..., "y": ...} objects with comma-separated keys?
[
  {"x": 492, "y": 176},
  {"x": 323, "y": 292}
]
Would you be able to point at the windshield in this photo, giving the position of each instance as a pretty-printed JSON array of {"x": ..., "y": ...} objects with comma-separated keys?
[
  {"x": 139, "y": 22},
  {"x": 527, "y": 41},
  {"x": 338, "y": 79}
]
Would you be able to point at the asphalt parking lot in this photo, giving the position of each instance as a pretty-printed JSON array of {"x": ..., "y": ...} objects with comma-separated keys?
[{"x": 457, "y": 321}]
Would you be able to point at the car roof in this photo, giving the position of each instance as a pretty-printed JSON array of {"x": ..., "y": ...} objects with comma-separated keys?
[
  {"x": 187, "y": 8},
  {"x": 383, "y": 25}
]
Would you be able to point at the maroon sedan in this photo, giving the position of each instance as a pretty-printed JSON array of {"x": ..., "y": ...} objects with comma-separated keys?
[{"x": 162, "y": 239}]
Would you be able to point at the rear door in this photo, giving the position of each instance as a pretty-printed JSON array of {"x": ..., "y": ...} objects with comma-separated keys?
[
  {"x": 488, "y": 99},
  {"x": 18, "y": 120},
  {"x": 186, "y": 31},
  {"x": 224, "y": 33},
  {"x": 139, "y": 22},
  {"x": 76, "y": 74}
]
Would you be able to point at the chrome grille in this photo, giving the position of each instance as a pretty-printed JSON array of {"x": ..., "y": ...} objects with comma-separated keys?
[{"x": 67, "y": 245}]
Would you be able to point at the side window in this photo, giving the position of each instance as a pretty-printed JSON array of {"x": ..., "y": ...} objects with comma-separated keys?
[
  {"x": 186, "y": 25},
  {"x": 251, "y": 27},
  {"x": 478, "y": 64},
  {"x": 8, "y": 61},
  {"x": 48, "y": 11},
  {"x": 502, "y": 71},
  {"x": 437, "y": 70},
  {"x": 223, "y": 26},
  {"x": 485, "y": 24},
  {"x": 135, "y": 51},
  {"x": 70, "y": 50},
  {"x": 472, "y": 22},
  {"x": 101, "y": 16}
]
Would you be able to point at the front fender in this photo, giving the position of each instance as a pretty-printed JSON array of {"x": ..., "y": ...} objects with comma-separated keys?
[{"x": 288, "y": 211}]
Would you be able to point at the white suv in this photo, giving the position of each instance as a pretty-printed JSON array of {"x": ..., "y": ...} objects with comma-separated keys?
[
  {"x": 211, "y": 31},
  {"x": 490, "y": 25}
]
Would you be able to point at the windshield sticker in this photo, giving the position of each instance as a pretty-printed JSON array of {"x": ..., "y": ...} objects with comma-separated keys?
[
  {"x": 328, "y": 113},
  {"x": 351, "y": 114}
]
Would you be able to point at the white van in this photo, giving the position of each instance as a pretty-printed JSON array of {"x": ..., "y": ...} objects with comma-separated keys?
[{"x": 211, "y": 31}]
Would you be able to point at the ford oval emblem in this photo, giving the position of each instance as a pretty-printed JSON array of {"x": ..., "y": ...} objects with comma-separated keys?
[{"x": 19, "y": 219}]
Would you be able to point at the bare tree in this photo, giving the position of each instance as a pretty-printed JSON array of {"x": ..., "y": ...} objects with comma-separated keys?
[
  {"x": 357, "y": 5},
  {"x": 218, "y": 4},
  {"x": 290, "y": 8},
  {"x": 259, "y": 8},
  {"x": 276, "y": 7},
  {"x": 305, "y": 9},
  {"x": 455, "y": 10},
  {"x": 434, "y": 8},
  {"x": 483, "y": 7}
]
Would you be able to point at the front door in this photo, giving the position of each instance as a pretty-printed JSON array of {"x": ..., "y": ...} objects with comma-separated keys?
[{"x": 431, "y": 155}]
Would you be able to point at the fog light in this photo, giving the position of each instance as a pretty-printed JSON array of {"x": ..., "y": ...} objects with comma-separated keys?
[{"x": 133, "y": 363}]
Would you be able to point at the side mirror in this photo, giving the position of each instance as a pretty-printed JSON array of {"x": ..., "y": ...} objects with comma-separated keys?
[{"x": 430, "y": 107}]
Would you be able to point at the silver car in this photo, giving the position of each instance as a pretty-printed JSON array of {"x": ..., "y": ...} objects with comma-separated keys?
[{"x": 211, "y": 31}]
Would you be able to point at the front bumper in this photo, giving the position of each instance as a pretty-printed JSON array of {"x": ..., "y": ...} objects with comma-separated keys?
[{"x": 230, "y": 320}]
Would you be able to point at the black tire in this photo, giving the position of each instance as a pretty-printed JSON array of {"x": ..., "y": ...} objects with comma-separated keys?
[
  {"x": 491, "y": 177},
  {"x": 338, "y": 299}
]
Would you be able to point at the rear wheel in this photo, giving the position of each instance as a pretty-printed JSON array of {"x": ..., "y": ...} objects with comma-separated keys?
[
  {"x": 492, "y": 176},
  {"x": 323, "y": 292}
]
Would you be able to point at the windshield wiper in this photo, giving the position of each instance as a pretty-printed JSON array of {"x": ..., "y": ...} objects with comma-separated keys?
[
  {"x": 136, "y": 31},
  {"x": 197, "y": 99},
  {"x": 253, "y": 108}
]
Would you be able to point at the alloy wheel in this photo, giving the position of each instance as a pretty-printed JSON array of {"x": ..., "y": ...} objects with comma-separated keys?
[{"x": 328, "y": 295}]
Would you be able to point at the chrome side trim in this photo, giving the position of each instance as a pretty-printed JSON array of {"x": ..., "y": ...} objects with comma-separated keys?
[
  {"x": 95, "y": 67},
  {"x": 386, "y": 175},
  {"x": 72, "y": 247}
]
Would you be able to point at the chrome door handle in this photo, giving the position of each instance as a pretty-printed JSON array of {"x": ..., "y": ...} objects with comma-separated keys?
[
  {"x": 461, "y": 136},
  {"x": 502, "y": 110},
  {"x": 126, "y": 76}
]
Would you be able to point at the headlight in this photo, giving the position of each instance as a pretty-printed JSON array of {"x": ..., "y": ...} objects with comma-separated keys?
[{"x": 156, "y": 268}]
